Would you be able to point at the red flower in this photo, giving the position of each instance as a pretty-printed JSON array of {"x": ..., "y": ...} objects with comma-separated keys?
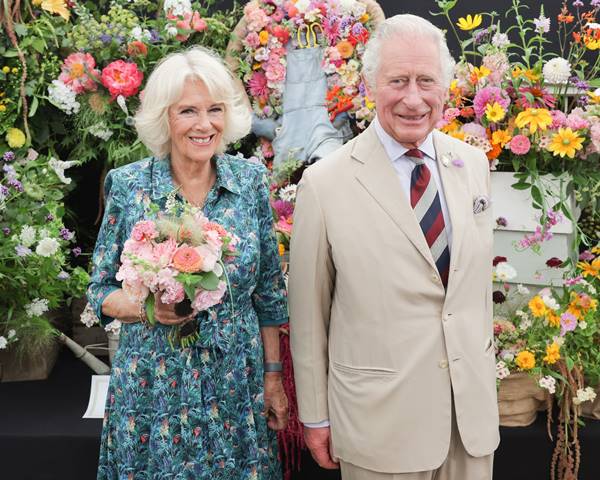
[
  {"x": 498, "y": 297},
  {"x": 282, "y": 33},
  {"x": 137, "y": 49},
  {"x": 144, "y": 438},
  {"x": 122, "y": 78},
  {"x": 498, "y": 260},
  {"x": 554, "y": 262}
]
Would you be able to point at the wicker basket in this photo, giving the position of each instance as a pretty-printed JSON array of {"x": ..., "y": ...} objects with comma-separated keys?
[
  {"x": 519, "y": 400},
  {"x": 592, "y": 409}
]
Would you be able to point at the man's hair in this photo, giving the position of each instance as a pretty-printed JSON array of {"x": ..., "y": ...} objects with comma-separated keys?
[
  {"x": 409, "y": 27},
  {"x": 165, "y": 87}
]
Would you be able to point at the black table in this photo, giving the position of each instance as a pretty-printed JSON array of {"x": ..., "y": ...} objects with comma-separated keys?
[{"x": 43, "y": 437}]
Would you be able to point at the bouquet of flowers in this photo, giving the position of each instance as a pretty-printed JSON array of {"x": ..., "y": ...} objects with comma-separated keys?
[
  {"x": 531, "y": 110},
  {"x": 182, "y": 259},
  {"x": 554, "y": 335}
]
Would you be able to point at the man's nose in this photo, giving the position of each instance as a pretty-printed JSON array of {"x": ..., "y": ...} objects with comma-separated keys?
[{"x": 412, "y": 98}]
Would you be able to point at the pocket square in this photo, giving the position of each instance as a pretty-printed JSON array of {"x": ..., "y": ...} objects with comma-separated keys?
[{"x": 481, "y": 203}]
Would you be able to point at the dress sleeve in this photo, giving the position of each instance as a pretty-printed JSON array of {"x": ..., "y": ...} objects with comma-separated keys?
[
  {"x": 269, "y": 297},
  {"x": 109, "y": 244}
]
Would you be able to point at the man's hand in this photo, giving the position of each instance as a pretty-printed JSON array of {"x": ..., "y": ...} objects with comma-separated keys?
[
  {"x": 276, "y": 402},
  {"x": 317, "y": 441}
]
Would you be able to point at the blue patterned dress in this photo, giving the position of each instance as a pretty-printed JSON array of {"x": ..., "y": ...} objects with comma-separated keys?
[{"x": 192, "y": 413}]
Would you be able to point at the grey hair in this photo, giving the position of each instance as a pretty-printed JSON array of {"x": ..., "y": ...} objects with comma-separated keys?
[
  {"x": 410, "y": 27},
  {"x": 165, "y": 87}
]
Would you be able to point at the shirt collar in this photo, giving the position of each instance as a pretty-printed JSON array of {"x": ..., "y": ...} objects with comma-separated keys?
[
  {"x": 395, "y": 150},
  {"x": 162, "y": 181}
]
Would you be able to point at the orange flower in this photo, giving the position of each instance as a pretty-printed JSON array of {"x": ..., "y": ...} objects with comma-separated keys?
[
  {"x": 187, "y": 259},
  {"x": 494, "y": 152},
  {"x": 263, "y": 37},
  {"x": 553, "y": 318},
  {"x": 525, "y": 360},
  {"x": 345, "y": 48}
]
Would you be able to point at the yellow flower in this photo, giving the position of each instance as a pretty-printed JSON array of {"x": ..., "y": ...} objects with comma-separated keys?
[
  {"x": 591, "y": 43},
  {"x": 553, "y": 318},
  {"x": 15, "y": 138},
  {"x": 494, "y": 112},
  {"x": 5, "y": 69},
  {"x": 531, "y": 75},
  {"x": 596, "y": 250},
  {"x": 459, "y": 134},
  {"x": 345, "y": 48},
  {"x": 565, "y": 142},
  {"x": 594, "y": 98},
  {"x": 589, "y": 269},
  {"x": 470, "y": 22},
  {"x": 552, "y": 353},
  {"x": 263, "y": 37},
  {"x": 364, "y": 18},
  {"x": 14, "y": 70},
  {"x": 480, "y": 72},
  {"x": 575, "y": 311},
  {"x": 2, "y": 108},
  {"x": 534, "y": 118},
  {"x": 525, "y": 360},
  {"x": 281, "y": 248},
  {"x": 56, "y": 6},
  {"x": 369, "y": 103},
  {"x": 537, "y": 306},
  {"x": 501, "y": 137},
  {"x": 517, "y": 72},
  {"x": 37, "y": 2}
]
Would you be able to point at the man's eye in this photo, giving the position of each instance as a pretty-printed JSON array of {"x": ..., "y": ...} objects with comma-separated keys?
[{"x": 216, "y": 109}]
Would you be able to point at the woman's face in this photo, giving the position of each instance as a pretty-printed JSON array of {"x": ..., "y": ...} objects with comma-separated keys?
[{"x": 196, "y": 122}]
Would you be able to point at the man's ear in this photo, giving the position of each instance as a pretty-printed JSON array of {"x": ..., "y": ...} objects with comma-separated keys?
[{"x": 370, "y": 91}]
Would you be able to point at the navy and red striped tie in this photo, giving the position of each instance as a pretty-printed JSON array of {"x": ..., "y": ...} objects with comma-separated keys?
[{"x": 425, "y": 200}]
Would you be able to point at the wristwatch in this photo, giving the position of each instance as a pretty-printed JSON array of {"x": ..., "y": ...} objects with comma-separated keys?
[{"x": 273, "y": 367}]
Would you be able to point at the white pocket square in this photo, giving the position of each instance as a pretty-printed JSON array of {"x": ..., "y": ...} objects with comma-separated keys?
[{"x": 481, "y": 203}]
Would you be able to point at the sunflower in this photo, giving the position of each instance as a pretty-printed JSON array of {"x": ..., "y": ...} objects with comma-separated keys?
[
  {"x": 470, "y": 22},
  {"x": 494, "y": 112},
  {"x": 565, "y": 142},
  {"x": 537, "y": 306},
  {"x": 534, "y": 118}
]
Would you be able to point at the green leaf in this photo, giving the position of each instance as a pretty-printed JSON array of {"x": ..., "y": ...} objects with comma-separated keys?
[
  {"x": 521, "y": 185},
  {"x": 39, "y": 45},
  {"x": 536, "y": 195},
  {"x": 209, "y": 281},
  {"x": 150, "y": 309},
  {"x": 20, "y": 29},
  {"x": 190, "y": 290},
  {"x": 34, "y": 106},
  {"x": 570, "y": 363}
]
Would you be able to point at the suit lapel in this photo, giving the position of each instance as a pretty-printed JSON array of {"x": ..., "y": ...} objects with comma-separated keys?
[
  {"x": 456, "y": 193},
  {"x": 377, "y": 175}
]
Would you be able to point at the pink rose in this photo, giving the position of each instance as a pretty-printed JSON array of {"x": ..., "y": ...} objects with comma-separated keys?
[
  {"x": 122, "y": 78},
  {"x": 275, "y": 72},
  {"x": 207, "y": 298},
  {"x": 559, "y": 119},
  {"x": 144, "y": 230},
  {"x": 520, "y": 145}
]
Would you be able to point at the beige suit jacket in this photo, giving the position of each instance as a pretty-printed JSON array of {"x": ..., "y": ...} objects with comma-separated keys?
[{"x": 378, "y": 345}]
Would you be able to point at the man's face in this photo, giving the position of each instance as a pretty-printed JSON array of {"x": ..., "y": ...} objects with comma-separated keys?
[{"x": 409, "y": 91}]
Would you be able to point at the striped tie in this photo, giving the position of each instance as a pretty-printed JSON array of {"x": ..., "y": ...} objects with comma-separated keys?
[{"x": 425, "y": 200}]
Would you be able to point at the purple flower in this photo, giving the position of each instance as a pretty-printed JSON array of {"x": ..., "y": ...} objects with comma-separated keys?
[
  {"x": 501, "y": 222},
  {"x": 22, "y": 251},
  {"x": 66, "y": 234},
  {"x": 9, "y": 172},
  {"x": 457, "y": 162},
  {"x": 6, "y": 231},
  {"x": 3, "y": 192},
  {"x": 569, "y": 282},
  {"x": 282, "y": 208},
  {"x": 578, "y": 3},
  {"x": 154, "y": 36},
  {"x": 480, "y": 36},
  {"x": 8, "y": 156},
  {"x": 586, "y": 256},
  {"x": 16, "y": 185},
  {"x": 580, "y": 84},
  {"x": 595, "y": 3},
  {"x": 105, "y": 38},
  {"x": 554, "y": 217},
  {"x": 76, "y": 251},
  {"x": 49, "y": 217},
  {"x": 568, "y": 323},
  {"x": 489, "y": 95}
]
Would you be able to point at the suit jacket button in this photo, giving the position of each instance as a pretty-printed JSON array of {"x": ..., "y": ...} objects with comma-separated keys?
[{"x": 443, "y": 364}]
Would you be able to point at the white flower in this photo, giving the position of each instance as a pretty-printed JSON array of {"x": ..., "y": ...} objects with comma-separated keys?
[
  {"x": 63, "y": 97},
  {"x": 302, "y": 5},
  {"x": 584, "y": 395},
  {"x": 47, "y": 247},
  {"x": 522, "y": 290},
  {"x": 171, "y": 31},
  {"x": 63, "y": 275},
  {"x": 500, "y": 40},
  {"x": 551, "y": 303},
  {"x": 11, "y": 333},
  {"x": 122, "y": 104},
  {"x": 525, "y": 323},
  {"x": 593, "y": 26},
  {"x": 288, "y": 193},
  {"x": 548, "y": 382},
  {"x": 542, "y": 24},
  {"x": 114, "y": 327},
  {"x": 3, "y": 343},
  {"x": 507, "y": 356},
  {"x": 101, "y": 131},
  {"x": 504, "y": 272},
  {"x": 501, "y": 370},
  {"x": 32, "y": 155},
  {"x": 582, "y": 324},
  {"x": 557, "y": 70},
  {"x": 37, "y": 307},
  {"x": 59, "y": 168},
  {"x": 88, "y": 317},
  {"x": 560, "y": 341},
  {"x": 27, "y": 235},
  {"x": 178, "y": 7}
]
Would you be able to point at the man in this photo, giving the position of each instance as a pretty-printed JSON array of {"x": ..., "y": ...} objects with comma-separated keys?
[{"x": 390, "y": 282}]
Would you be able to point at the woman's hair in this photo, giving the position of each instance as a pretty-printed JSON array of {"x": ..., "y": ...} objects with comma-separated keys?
[
  {"x": 409, "y": 27},
  {"x": 165, "y": 87}
]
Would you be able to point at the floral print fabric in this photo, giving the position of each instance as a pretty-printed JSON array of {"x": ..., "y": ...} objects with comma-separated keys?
[{"x": 192, "y": 413}]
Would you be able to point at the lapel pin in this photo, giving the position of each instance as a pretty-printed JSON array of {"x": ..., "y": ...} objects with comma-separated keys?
[{"x": 445, "y": 160}]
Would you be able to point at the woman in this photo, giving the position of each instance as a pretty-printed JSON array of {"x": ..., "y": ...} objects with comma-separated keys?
[{"x": 201, "y": 412}]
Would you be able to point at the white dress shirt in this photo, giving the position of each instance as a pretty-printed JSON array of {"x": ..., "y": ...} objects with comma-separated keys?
[{"x": 404, "y": 167}]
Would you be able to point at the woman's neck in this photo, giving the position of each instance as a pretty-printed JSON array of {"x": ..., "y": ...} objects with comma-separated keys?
[{"x": 195, "y": 179}]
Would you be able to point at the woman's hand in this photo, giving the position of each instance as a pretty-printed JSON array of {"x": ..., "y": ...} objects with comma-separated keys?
[
  {"x": 165, "y": 312},
  {"x": 276, "y": 402}
]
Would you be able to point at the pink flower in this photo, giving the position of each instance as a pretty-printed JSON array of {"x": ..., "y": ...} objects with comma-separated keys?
[
  {"x": 282, "y": 208},
  {"x": 164, "y": 251},
  {"x": 164, "y": 281},
  {"x": 256, "y": 18},
  {"x": 278, "y": 15},
  {"x": 520, "y": 145},
  {"x": 489, "y": 95},
  {"x": 144, "y": 230},
  {"x": 474, "y": 129},
  {"x": 187, "y": 259},
  {"x": 275, "y": 72},
  {"x": 122, "y": 78},
  {"x": 258, "y": 85},
  {"x": 559, "y": 119},
  {"x": 451, "y": 113},
  {"x": 79, "y": 73},
  {"x": 576, "y": 122},
  {"x": 207, "y": 298},
  {"x": 252, "y": 40},
  {"x": 198, "y": 23},
  {"x": 209, "y": 257},
  {"x": 568, "y": 323},
  {"x": 284, "y": 225},
  {"x": 595, "y": 134},
  {"x": 266, "y": 148}
]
